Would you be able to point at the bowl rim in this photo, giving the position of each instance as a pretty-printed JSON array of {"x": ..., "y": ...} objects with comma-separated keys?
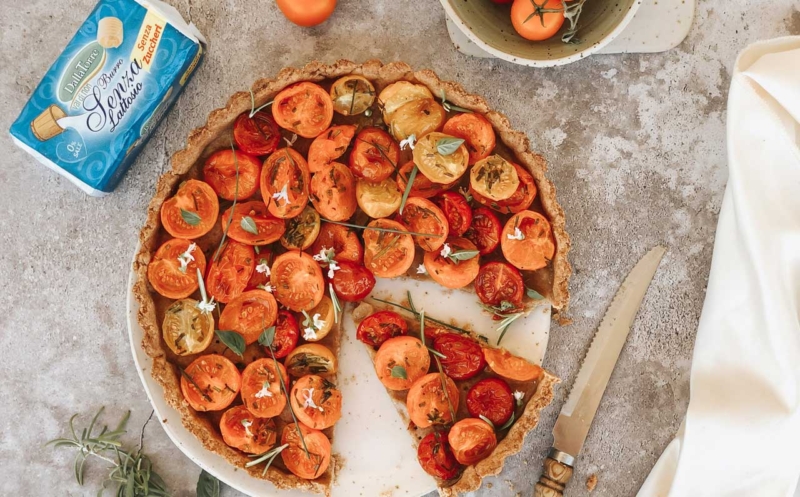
[{"x": 462, "y": 26}]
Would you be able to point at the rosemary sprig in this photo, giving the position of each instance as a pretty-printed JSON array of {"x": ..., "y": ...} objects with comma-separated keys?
[
  {"x": 253, "y": 110},
  {"x": 337, "y": 306},
  {"x": 451, "y": 107},
  {"x": 443, "y": 377},
  {"x": 375, "y": 228},
  {"x": 487, "y": 421},
  {"x": 422, "y": 333},
  {"x": 411, "y": 177},
  {"x": 416, "y": 314},
  {"x": 268, "y": 456},
  {"x": 191, "y": 380},
  {"x": 506, "y": 322},
  {"x": 233, "y": 207},
  {"x": 508, "y": 423}
]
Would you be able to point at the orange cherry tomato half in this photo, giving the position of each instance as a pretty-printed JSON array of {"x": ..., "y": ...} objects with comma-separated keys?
[
  {"x": 436, "y": 457},
  {"x": 219, "y": 171},
  {"x": 342, "y": 240},
  {"x": 387, "y": 254},
  {"x": 423, "y": 216},
  {"x": 472, "y": 440},
  {"x": 249, "y": 217},
  {"x": 498, "y": 282},
  {"x": 453, "y": 273},
  {"x": 329, "y": 146},
  {"x": 537, "y": 247},
  {"x": 375, "y": 155},
  {"x": 171, "y": 277},
  {"x": 304, "y": 108},
  {"x": 422, "y": 186},
  {"x": 262, "y": 394},
  {"x": 485, "y": 230},
  {"x": 376, "y": 328},
  {"x": 257, "y": 135},
  {"x": 210, "y": 383},
  {"x": 316, "y": 402},
  {"x": 457, "y": 211},
  {"x": 249, "y": 314},
  {"x": 531, "y": 23},
  {"x": 491, "y": 398},
  {"x": 241, "y": 430},
  {"x": 192, "y": 211},
  {"x": 284, "y": 183},
  {"x": 401, "y": 361},
  {"x": 352, "y": 282},
  {"x": 520, "y": 200},
  {"x": 307, "y": 13},
  {"x": 463, "y": 357},
  {"x": 476, "y": 131},
  {"x": 333, "y": 192},
  {"x": 308, "y": 465},
  {"x": 427, "y": 402},
  {"x": 228, "y": 276},
  {"x": 510, "y": 366},
  {"x": 297, "y": 281}
]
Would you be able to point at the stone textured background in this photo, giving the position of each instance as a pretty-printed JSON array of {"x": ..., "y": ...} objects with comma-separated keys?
[{"x": 636, "y": 145}]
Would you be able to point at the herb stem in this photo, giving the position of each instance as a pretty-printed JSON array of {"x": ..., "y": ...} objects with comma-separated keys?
[
  {"x": 416, "y": 314},
  {"x": 375, "y": 228},
  {"x": 191, "y": 380}
]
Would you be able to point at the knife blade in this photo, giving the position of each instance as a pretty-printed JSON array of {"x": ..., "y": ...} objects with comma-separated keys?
[{"x": 572, "y": 425}]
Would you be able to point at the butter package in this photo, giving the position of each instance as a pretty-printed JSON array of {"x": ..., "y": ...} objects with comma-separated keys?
[{"x": 99, "y": 102}]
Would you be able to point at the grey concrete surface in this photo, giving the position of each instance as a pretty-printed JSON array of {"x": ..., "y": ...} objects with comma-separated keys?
[{"x": 637, "y": 152}]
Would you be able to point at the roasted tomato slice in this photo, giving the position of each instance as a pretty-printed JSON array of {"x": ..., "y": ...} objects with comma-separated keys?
[
  {"x": 436, "y": 457},
  {"x": 381, "y": 326},
  {"x": 423, "y": 216},
  {"x": 375, "y": 155},
  {"x": 494, "y": 178},
  {"x": 333, "y": 192},
  {"x": 352, "y": 95},
  {"x": 249, "y": 314},
  {"x": 342, "y": 240},
  {"x": 510, "y": 366},
  {"x": 316, "y": 402},
  {"x": 220, "y": 172},
  {"x": 463, "y": 356},
  {"x": 304, "y": 108},
  {"x": 192, "y": 211},
  {"x": 485, "y": 230},
  {"x": 257, "y": 135},
  {"x": 476, "y": 131},
  {"x": 417, "y": 117},
  {"x": 320, "y": 320},
  {"x": 449, "y": 270},
  {"x": 427, "y": 402},
  {"x": 380, "y": 199},
  {"x": 210, "y": 383},
  {"x": 173, "y": 269},
  {"x": 297, "y": 281},
  {"x": 287, "y": 333},
  {"x": 401, "y": 361},
  {"x": 310, "y": 358},
  {"x": 399, "y": 93},
  {"x": 439, "y": 167},
  {"x": 527, "y": 241},
  {"x": 491, "y": 398},
  {"x": 498, "y": 282},
  {"x": 352, "y": 281},
  {"x": 521, "y": 199},
  {"x": 248, "y": 433},
  {"x": 472, "y": 440},
  {"x": 252, "y": 224},
  {"x": 329, "y": 146},
  {"x": 457, "y": 211},
  {"x": 422, "y": 186},
  {"x": 228, "y": 276},
  {"x": 307, "y": 465},
  {"x": 387, "y": 254},
  {"x": 186, "y": 329},
  {"x": 302, "y": 230},
  {"x": 284, "y": 183},
  {"x": 262, "y": 394}
]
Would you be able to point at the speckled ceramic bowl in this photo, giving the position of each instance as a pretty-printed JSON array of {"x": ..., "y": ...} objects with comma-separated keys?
[{"x": 488, "y": 25}]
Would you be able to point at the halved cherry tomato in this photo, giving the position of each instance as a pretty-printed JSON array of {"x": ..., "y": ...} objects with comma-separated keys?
[
  {"x": 381, "y": 326},
  {"x": 436, "y": 457},
  {"x": 533, "y": 24},
  {"x": 260, "y": 274},
  {"x": 297, "y": 281},
  {"x": 523, "y": 197},
  {"x": 172, "y": 274},
  {"x": 329, "y": 146},
  {"x": 387, "y": 254},
  {"x": 307, "y": 13},
  {"x": 423, "y": 216},
  {"x": 302, "y": 230},
  {"x": 287, "y": 333},
  {"x": 437, "y": 167},
  {"x": 262, "y": 394},
  {"x": 316, "y": 402},
  {"x": 417, "y": 117},
  {"x": 510, "y": 366},
  {"x": 399, "y": 93},
  {"x": 476, "y": 131},
  {"x": 352, "y": 94},
  {"x": 491, "y": 398},
  {"x": 324, "y": 316},
  {"x": 499, "y": 281},
  {"x": 452, "y": 273},
  {"x": 310, "y": 358},
  {"x": 219, "y": 171},
  {"x": 304, "y": 108},
  {"x": 427, "y": 402},
  {"x": 228, "y": 276},
  {"x": 308, "y": 465},
  {"x": 485, "y": 230},
  {"x": 249, "y": 314},
  {"x": 463, "y": 356},
  {"x": 472, "y": 440},
  {"x": 249, "y": 215},
  {"x": 210, "y": 383},
  {"x": 342, "y": 240},
  {"x": 284, "y": 183},
  {"x": 257, "y": 135},
  {"x": 401, "y": 361},
  {"x": 242, "y": 430},
  {"x": 192, "y": 211},
  {"x": 494, "y": 178},
  {"x": 422, "y": 186},
  {"x": 457, "y": 211},
  {"x": 537, "y": 246},
  {"x": 375, "y": 155},
  {"x": 352, "y": 281},
  {"x": 333, "y": 192},
  {"x": 186, "y": 329},
  {"x": 381, "y": 199}
]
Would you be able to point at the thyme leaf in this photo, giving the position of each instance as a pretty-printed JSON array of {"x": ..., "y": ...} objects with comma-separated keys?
[{"x": 233, "y": 341}]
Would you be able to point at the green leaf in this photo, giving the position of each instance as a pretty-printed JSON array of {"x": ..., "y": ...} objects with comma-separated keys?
[
  {"x": 410, "y": 182},
  {"x": 191, "y": 218},
  {"x": 249, "y": 225},
  {"x": 399, "y": 372},
  {"x": 232, "y": 340},
  {"x": 463, "y": 255},
  {"x": 446, "y": 146},
  {"x": 207, "y": 485},
  {"x": 533, "y": 294},
  {"x": 267, "y": 337}
]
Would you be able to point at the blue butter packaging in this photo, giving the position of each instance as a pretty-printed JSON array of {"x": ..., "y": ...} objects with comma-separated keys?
[{"x": 99, "y": 102}]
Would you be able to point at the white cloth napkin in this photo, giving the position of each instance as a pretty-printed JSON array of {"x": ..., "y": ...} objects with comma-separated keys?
[{"x": 741, "y": 434}]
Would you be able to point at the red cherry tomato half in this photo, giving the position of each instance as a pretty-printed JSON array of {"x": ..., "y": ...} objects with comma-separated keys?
[
  {"x": 491, "y": 398},
  {"x": 352, "y": 281},
  {"x": 219, "y": 171},
  {"x": 375, "y": 155},
  {"x": 257, "y": 135},
  {"x": 485, "y": 230},
  {"x": 436, "y": 457},
  {"x": 342, "y": 240},
  {"x": 463, "y": 357},
  {"x": 457, "y": 211},
  {"x": 381, "y": 326},
  {"x": 499, "y": 281},
  {"x": 287, "y": 333}
]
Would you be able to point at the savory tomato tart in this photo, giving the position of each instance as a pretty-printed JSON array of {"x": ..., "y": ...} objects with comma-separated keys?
[{"x": 284, "y": 209}]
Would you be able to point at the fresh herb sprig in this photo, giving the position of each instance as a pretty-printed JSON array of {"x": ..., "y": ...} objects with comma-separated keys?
[
  {"x": 416, "y": 314},
  {"x": 337, "y": 306},
  {"x": 268, "y": 456},
  {"x": 253, "y": 110},
  {"x": 452, "y": 107},
  {"x": 411, "y": 177},
  {"x": 233, "y": 341},
  {"x": 376, "y": 228}
]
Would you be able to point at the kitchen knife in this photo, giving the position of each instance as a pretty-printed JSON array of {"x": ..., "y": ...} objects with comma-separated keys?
[{"x": 578, "y": 412}]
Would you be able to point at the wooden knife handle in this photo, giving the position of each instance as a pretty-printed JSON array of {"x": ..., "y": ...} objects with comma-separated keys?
[{"x": 554, "y": 477}]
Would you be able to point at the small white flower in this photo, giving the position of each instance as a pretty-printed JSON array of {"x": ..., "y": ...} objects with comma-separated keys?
[
  {"x": 309, "y": 334},
  {"x": 187, "y": 257},
  {"x": 207, "y": 306},
  {"x": 263, "y": 268},
  {"x": 267, "y": 287},
  {"x": 325, "y": 255},
  {"x": 308, "y": 399},
  {"x": 318, "y": 323},
  {"x": 332, "y": 268},
  {"x": 421, "y": 269},
  {"x": 282, "y": 195},
  {"x": 409, "y": 142},
  {"x": 264, "y": 392},
  {"x": 519, "y": 396},
  {"x": 247, "y": 424},
  {"x": 445, "y": 250},
  {"x": 290, "y": 141},
  {"x": 518, "y": 235}
]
